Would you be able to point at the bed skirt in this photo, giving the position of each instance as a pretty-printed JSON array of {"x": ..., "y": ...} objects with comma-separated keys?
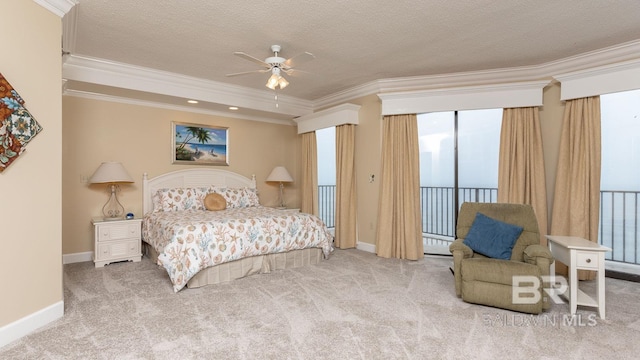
[{"x": 237, "y": 269}]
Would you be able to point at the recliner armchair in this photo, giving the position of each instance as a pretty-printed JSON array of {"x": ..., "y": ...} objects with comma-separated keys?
[{"x": 488, "y": 281}]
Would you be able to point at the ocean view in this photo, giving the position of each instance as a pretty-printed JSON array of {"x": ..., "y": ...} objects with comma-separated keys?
[{"x": 207, "y": 148}]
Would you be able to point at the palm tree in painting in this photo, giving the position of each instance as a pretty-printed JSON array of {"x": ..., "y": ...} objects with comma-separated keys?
[{"x": 193, "y": 132}]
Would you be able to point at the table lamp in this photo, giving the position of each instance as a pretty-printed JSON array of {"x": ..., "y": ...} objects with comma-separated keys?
[
  {"x": 112, "y": 174},
  {"x": 281, "y": 175}
]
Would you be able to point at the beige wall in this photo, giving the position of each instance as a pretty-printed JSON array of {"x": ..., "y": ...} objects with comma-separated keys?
[
  {"x": 140, "y": 138},
  {"x": 551, "y": 126},
  {"x": 30, "y": 188},
  {"x": 368, "y": 162}
]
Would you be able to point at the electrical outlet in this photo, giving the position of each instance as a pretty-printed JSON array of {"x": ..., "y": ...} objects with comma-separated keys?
[{"x": 84, "y": 179}]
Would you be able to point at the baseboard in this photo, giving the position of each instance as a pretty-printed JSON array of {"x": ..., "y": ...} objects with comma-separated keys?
[
  {"x": 620, "y": 267},
  {"x": 28, "y": 324},
  {"x": 366, "y": 247},
  {"x": 77, "y": 257}
]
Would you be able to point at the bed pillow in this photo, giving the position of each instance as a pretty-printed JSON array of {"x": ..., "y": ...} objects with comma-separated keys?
[
  {"x": 179, "y": 199},
  {"x": 237, "y": 197},
  {"x": 491, "y": 237},
  {"x": 214, "y": 202}
]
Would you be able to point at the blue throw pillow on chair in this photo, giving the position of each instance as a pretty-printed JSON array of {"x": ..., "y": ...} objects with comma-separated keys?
[{"x": 491, "y": 237}]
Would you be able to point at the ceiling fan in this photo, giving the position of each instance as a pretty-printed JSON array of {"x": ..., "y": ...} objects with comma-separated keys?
[{"x": 276, "y": 65}]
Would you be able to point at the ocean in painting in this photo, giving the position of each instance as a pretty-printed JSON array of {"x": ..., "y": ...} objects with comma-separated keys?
[{"x": 207, "y": 148}]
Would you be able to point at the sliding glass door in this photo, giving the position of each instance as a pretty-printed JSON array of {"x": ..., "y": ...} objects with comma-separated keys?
[
  {"x": 620, "y": 180},
  {"x": 458, "y": 162}
]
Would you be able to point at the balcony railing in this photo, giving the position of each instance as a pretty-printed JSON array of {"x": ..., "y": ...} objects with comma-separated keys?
[
  {"x": 439, "y": 211},
  {"x": 619, "y": 216},
  {"x": 326, "y": 204},
  {"x": 619, "y": 225}
]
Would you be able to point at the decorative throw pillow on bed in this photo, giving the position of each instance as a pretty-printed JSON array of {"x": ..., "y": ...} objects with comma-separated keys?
[
  {"x": 238, "y": 197},
  {"x": 214, "y": 202},
  {"x": 491, "y": 237},
  {"x": 179, "y": 199}
]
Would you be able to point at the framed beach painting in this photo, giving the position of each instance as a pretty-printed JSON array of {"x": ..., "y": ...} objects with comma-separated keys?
[{"x": 195, "y": 144}]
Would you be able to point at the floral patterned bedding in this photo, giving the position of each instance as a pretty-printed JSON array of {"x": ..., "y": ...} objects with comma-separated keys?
[{"x": 192, "y": 240}]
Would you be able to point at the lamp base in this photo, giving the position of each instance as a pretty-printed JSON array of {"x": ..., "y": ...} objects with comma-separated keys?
[
  {"x": 282, "y": 206},
  {"x": 113, "y": 210}
]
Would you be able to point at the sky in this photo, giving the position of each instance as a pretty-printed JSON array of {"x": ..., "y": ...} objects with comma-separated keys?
[
  {"x": 217, "y": 136},
  {"x": 478, "y": 146},
  {"x": 620, "y": 113},
  {"x": 326, "y": 140}
]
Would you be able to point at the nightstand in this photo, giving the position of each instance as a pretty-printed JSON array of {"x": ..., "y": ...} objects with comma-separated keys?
[
  {"x": 287, "y": 210},
  {"x": 116, "y": 240}
]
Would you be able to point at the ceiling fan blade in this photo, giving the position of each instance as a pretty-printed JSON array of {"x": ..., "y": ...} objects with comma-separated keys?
[
  {"x": 248, "y": 72},
  {"x": 296, "y": 72},
  {"x": 298, "y": 59},
  {"x": 252, "y": 59}
]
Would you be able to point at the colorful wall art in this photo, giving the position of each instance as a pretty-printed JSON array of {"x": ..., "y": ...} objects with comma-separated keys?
[{"x": 17, "y": 126}]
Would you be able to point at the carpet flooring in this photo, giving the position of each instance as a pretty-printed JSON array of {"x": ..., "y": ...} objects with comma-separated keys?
[{"x": 353, "y": 306}]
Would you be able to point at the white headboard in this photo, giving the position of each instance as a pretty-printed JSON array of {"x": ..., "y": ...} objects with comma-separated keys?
[{"x": 190, "y": 178}]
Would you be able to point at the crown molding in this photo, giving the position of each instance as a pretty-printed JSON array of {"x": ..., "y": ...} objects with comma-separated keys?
[
  {"x": 109, "y": 73},
  {"x": 156, "y": 104},
  {"x": 58, "y": 7},
  {"x": 335, "y": 116},
  {"x": 504, "y": 95},
  {"x": 69, "y": 31},
  {"x": 616, "y": 77},
  {"x": 550, "y": 70},
  {"x": 104, "y": 72}
]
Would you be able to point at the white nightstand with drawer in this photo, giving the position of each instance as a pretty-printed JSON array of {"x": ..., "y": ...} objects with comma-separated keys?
[
  {"x": 116, "y": 240},
  {"x": 287, "y": 209},
  {"x": 580, "y": 254}
]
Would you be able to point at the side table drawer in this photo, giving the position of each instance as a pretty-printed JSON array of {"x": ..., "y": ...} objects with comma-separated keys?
[
  {"x": 587, "y": 260},
  {"x": 118, "y": 249},
  {"x": 109, "y": 232}
]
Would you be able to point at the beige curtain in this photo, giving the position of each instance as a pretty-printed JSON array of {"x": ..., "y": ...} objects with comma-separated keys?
[
  {"x": 309, "y": 203},
  {"x": 521, "y": 177},
  {"x": 576, "y": 200},
  {"x": 399, "y": 233},
  {"x": 346, "y": 200}
]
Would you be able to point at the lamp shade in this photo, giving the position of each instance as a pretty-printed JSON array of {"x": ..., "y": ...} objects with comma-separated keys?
[
  {"x": 279, "y": 174},
  {"x": 110, "y": 172}
]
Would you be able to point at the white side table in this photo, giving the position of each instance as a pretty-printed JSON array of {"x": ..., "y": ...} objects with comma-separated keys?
[
  {"x": 580, "y": 254},
  {"x": 116, "y": 240}
]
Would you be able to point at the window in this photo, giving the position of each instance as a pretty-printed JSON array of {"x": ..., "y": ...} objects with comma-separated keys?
[
  {"x": 326, "y": 142},
  {"x": 458, "y": 163},
  {"x": 620, "y": 177}
]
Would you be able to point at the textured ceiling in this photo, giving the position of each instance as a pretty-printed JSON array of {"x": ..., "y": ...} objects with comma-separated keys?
[{"x": 354, "y": 42}]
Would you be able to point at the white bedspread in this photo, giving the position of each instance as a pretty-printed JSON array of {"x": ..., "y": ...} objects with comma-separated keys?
[{"x": 189, "y": 241}]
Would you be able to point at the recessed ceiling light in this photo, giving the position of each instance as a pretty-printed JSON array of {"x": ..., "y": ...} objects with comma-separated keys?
[
  {"x": 192, "y": 101},
  {"x": 233, "y": 108}
]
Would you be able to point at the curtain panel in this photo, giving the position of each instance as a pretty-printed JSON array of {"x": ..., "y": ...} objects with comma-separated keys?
[
  {"x": 521, "y": 175},
  {"x": 346, "y": 195},
  {"x": 399, "y": 231},
  {"x": 576, "y": 201},
  {"x": 309, "y": 193}
]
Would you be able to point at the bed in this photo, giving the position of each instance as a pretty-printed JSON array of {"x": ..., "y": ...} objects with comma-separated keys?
[{"x": 200, "y": 247}]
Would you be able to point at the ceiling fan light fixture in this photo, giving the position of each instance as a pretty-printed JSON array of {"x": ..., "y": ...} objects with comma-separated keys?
[
  {"x": 282, "y": 82},
  {"x": 276, "y": 80},
  {"x": 272, "y": 83}
]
